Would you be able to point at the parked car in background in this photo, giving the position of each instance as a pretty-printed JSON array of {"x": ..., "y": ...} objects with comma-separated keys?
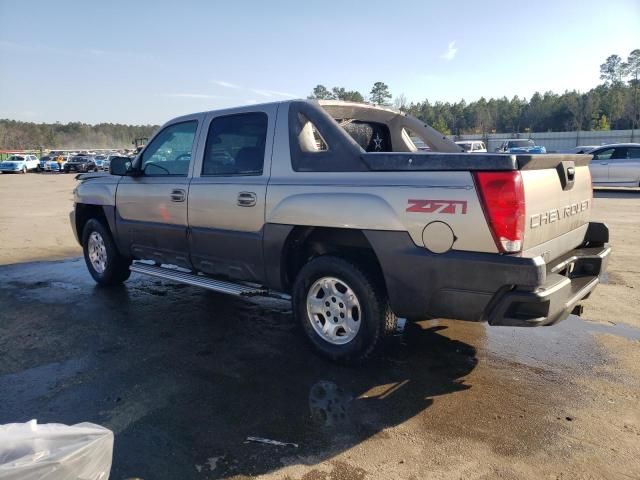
[
  {"x": 473, "y": 146},
  {"x": 54, "y": 166},
  {"x": 581, "y": 149},
  {"x": 42, "y": 163},
  {"x": 99, "y": 161},
  {"x": 81, "y": 163},
  {"x": 520, "y": 145},
  {"x": 616, "y": 165},
  {"x": 19, "y": 164}
]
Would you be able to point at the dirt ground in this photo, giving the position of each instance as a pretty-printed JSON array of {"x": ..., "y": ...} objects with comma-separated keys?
[
  {"x": 34, "y": 219},
  {"x": 184, "y": 376}
]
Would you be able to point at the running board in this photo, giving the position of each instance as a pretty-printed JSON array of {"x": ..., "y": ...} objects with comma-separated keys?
[{"x": 197, "y": 280}]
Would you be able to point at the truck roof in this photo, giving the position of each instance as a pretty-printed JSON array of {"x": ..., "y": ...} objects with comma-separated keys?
[
  {"x": 349, "y": 109},
  {"x": 395, "y": 120}
]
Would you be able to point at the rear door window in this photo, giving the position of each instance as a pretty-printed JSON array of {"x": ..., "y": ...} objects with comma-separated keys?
[
  {"x": 633, "y": 153},
  {"x": 620, "y": 153},
  {"x": 236, "y": 145}
]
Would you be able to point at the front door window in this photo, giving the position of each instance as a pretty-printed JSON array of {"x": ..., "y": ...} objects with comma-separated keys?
[{"x": 169, "y": 153}]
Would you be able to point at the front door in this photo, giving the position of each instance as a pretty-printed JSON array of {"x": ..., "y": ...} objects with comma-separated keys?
[
  {"x": 624, "y": 166},
  {"x": 599, "y": 166},
  {"x": 227, "y": 194},
  {"x": 151, "y": 213}
]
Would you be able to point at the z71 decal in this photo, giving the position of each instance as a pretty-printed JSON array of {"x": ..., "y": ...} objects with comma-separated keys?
[{"x": 438, "y": 206}]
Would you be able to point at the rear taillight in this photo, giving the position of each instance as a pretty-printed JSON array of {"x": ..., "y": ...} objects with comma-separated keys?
[{"x": 502, "y": 196}]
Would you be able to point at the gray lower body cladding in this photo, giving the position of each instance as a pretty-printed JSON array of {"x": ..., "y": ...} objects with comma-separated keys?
[{"x": 500, "y": 289}]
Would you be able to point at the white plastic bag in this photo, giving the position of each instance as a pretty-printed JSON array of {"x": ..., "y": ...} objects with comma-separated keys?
[{"x": 53, "y": 451}]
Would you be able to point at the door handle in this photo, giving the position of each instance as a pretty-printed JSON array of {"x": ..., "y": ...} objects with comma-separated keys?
[
  {"x": 178, "y": 195},
  {"x": 247, "y": 199}
]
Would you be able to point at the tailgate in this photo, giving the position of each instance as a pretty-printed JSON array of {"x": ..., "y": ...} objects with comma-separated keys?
[{"x": 558, "y": 202}]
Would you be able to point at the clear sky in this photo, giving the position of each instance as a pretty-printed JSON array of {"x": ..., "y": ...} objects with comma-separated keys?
[{"x": 148, "y": 61}]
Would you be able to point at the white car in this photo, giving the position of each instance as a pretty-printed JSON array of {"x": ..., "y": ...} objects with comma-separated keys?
[
  {"x": 19, "y": 164},
  {"x": 473, "y": 146},
  {"x": 616, "y": 165},
  {"x": 581, "y": 149}
]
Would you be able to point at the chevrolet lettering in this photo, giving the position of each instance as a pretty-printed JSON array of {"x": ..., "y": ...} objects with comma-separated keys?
[{"x": 557, "y": 214}]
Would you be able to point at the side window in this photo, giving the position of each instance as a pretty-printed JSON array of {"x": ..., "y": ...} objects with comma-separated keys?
[
  {"x": 235, "y": 145},
  {"x": 310, "y": 138},
  {"x": 620, "y": 154},
  {"x": 633, "y": 153},
  {"x": 169, "y": 153},
  {"x": 603, "y": 154},
  {"x": 476, "y": 146}
]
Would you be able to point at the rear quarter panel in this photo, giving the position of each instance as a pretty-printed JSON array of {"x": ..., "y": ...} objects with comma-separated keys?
[{"x": 391, "y": 201}]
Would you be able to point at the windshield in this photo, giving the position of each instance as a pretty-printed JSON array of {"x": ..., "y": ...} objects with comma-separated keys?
[
  {"x": 520, "y": 143},
  {"x": 79, "y": 159},
  {"x": 15, "y": 158}
]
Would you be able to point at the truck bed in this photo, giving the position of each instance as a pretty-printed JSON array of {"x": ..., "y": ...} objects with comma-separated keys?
[{"x": 426, "y": 161}]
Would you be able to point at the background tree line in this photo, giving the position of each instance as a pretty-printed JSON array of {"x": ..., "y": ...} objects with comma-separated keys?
[
  {"x": 613, "y": 104},
  {"x": 27, "y": 135}
]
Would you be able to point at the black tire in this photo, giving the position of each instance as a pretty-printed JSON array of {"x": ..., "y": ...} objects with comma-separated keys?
[
  {"x": 116, "y": 270},
  {"x": 377, "y": 320}
]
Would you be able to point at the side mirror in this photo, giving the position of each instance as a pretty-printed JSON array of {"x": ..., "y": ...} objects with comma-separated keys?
[{"x": 120, "y": 166}]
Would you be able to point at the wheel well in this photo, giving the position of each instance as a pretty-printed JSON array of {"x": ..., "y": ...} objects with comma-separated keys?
[
  {"x": 84, "y": 212},
  {"x": 305, "y": 243}
]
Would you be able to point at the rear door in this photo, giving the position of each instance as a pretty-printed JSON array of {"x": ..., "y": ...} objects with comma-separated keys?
[
  {"x": 151, "y": 213},
  {"x": 599, "y": 165},
  {"x": 227, "y": 193},
  {"x": 624, "y": 166},
  {"x": 32, "y": 162}
]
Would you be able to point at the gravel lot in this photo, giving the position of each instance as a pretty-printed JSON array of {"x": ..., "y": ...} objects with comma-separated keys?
[{"x": 184, "y": 376}]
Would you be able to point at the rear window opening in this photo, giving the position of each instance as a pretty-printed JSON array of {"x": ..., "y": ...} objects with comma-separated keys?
[
  {"x": 310, "y": 138},
  {"x": 371, "y": 136}
]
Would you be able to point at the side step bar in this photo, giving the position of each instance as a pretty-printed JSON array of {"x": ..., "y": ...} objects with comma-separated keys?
[{"x": 197, "y": 280}]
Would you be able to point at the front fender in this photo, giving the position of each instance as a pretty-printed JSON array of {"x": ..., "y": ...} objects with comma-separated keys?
[{"x": 96, "y": 191}]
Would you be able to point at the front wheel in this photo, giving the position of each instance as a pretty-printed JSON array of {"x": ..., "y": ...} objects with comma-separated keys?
[
  {"x": 106, "y": 265},
  {"x": 343, "y": 310}
]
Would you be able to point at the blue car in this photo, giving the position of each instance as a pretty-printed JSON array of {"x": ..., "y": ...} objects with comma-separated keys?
[
  {"x": 53, "y": 166},
  {"x": 520, "y": 145}
]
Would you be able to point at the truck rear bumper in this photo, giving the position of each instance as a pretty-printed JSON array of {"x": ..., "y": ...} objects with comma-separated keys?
[
  {"x": 500, "y": 289},
  {"x": 553, "y": 301}
]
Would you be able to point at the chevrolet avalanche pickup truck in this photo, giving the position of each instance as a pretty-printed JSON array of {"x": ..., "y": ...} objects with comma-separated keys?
[{"x": 331, "y": 205}]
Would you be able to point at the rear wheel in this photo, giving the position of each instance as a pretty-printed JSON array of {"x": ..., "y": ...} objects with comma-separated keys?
[
  {"x": 342, "y": 309},
  {"x": 106, "y": 265}
]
